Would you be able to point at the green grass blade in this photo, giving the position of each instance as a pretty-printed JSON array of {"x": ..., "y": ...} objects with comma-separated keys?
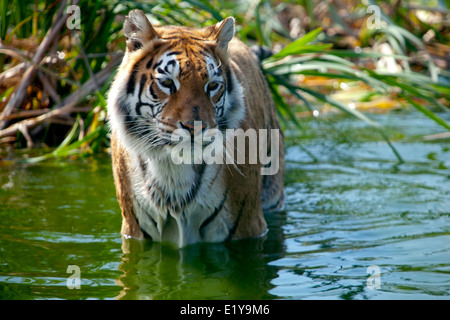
[
  {"x": 344, "y": 108},
  {"x": 339, "y": 105},
  {"x": 4, "y": 18},
  {"x": 69, "y": 148},
  {"x": 206, "y": 5},
  {"x": 428, "y": 113},
  {"x": 281, "y": 104},
  {"x": 358, "y": 115},
  {"x": 70, "y": 136},
  {"x": 409, "y": 88},
  {"x": 365, "y": 54},
  {"x": 297, "y": 46}
]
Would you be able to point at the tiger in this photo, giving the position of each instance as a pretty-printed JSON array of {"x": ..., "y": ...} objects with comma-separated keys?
[{"x": 169, "y": 78}]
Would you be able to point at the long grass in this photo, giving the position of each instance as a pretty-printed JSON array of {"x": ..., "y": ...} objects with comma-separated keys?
[{"x": 64, "y": 103}]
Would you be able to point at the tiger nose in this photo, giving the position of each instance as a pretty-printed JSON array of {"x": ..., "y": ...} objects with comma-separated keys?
[{"x": 191, "y": 125}]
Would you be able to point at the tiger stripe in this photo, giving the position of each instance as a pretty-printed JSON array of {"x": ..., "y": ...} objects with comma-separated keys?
[
  {"x": 212, "y": 216},
  {"x": 169, "y": 78},
  {"x": 234, "y": 227}
]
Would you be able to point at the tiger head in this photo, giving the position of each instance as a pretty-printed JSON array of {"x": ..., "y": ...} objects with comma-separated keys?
[{"x": 170, "y": 78}]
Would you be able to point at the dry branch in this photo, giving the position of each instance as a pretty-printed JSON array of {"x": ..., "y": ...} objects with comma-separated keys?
[
  {"x": 34, "y": 113},
  {"x": 26, "y": 61},
  {"x": 68, "y": 104},
  {"x": 52, "y": 35},
  {"x": 437, "y": 136},
  {"x": 49, "y": 88}
]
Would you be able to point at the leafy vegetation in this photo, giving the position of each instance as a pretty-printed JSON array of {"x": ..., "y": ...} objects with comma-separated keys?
[{"x": 329, "y": 56}]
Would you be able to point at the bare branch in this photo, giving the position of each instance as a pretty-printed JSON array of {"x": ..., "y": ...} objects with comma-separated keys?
[
  {"x": 52, "y": 35},
  {"x": 438, "y": 136},
  {"x": 68, "y": 104},
  {"x": 48, "y": 86}
]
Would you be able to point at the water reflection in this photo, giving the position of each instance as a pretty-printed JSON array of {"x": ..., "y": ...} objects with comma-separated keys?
[{"x": 232, "y": 270}]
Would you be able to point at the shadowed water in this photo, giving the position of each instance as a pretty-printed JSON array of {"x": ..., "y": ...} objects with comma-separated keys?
[{"x": 350, "y": 205}]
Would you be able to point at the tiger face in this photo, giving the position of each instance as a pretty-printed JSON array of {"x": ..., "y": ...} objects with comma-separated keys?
[{"x": 177, "y": 76}]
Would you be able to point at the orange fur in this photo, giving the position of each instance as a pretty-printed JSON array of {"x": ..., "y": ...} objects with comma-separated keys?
[{"x": 194, "y": 202}]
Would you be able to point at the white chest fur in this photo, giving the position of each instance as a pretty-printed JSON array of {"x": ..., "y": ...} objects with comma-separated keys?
[{"x": 174, "y": 202}]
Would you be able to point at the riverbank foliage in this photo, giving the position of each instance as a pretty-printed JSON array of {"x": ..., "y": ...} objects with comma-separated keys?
[{"x": 348, "y": 56}]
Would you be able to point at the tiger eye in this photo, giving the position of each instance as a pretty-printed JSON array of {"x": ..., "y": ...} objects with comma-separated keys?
[
  {"x": 167, "y": 82},
  {"x": 213, "y": 86}
]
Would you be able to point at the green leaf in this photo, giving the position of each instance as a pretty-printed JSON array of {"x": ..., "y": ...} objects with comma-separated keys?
[
  {"x": 68, "y": 149},
  {"x": 281, "y": 103},
  {"x": 428, "y": 113},
  {"x": 206, "y": 5},
  {"x": 69, "y": 136},
  {"x": 297, "y": 47},
  {"x": 340, "y": 106},
  {"x": 365, "y": 54}
]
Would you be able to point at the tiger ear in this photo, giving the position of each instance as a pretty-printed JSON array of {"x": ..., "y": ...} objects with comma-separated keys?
[
  {"x": 138, "y": 30},
  {"x": 224, "y": 32}
]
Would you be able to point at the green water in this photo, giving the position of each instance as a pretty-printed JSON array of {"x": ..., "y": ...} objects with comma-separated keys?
[{"x": 350, "y": 207}]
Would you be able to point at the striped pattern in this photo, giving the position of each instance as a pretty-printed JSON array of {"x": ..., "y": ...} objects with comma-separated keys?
[
  {"x": 169, "y": 78},
  {"x": 168, "y": 67}
]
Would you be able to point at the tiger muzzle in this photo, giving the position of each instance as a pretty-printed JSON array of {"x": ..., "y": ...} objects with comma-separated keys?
[{"x": 191, "y": 126}]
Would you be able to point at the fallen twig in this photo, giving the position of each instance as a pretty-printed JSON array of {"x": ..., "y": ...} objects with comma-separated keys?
[
  {"x": 26, "y": 61},
  {"x": 30, "y": 123},
  {"x": 49, "y": 88},
  {"x": 20, "y": 93},
  {"x": 24, "y": 129},
  {"x": 34, "y": 113},
  {"x": 68, "y": 104},
  {"x": 13, "y": 72},
  {"x": 438, "y": 136}
]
